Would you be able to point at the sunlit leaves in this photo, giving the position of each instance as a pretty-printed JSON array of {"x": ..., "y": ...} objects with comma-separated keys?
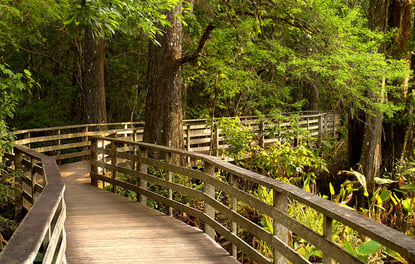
[
  {"x": 105, "y": 17},
  {"x": 12, "y": 86}
]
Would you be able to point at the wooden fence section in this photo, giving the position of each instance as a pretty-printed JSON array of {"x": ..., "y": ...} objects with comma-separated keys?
[
  {"x": 72, "y": 142},
  {"x": 214, "y": 195},
  {"x": 40, "y": 237}
]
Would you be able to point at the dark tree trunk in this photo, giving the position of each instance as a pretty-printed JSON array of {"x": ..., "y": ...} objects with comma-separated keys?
[
  {"x": 89, "y": 75},
  {"x": 371, "y": 155},
  {"x": 313, "y": 97},
  {"x": 164, "y": 114},
  {"x": 356, "y": 128},
  {"x": 398, "y": 130}
]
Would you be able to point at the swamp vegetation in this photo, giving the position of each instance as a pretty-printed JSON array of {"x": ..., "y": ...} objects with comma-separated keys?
[{"x": 90, "y": 61}]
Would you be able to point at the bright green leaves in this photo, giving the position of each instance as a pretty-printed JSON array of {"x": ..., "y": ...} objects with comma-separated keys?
[
  {"x": 12, "y": 86},
  {"x": 237, "y": 136},
  {"x": 101, "y": 16},
  {"x": 364, "y": 250},
  {"x": 106, "y": 17}
]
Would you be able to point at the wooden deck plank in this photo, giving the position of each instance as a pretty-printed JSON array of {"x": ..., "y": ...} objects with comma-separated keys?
[{"x": 103, "y": 227}]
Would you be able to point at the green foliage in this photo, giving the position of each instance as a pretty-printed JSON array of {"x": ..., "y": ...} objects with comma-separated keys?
[
  {"x": 238, "y": 137},
  {"x": 268, "y": 55},
  {"x": 310, "y": 218},
  {"x": 281, "y": 160},
  {"x": 7, "y": 193},
  {"x": 7, "y": 227},
  {"x": 12, "y": 86},
  {"x": 106, "y": 17},
  {"x": 364, "y": 250}
]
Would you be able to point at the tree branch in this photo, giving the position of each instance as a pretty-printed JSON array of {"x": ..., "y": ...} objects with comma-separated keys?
[{"x": 199, "y": 49}]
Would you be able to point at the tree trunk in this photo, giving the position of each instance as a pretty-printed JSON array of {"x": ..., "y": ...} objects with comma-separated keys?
[
  {"x": 399, "y": 134},
  {"x": 371, "y": 155},
  {"x": 164, "y": 114},
  {"x": 89, "y": 75},
  {"x": 356, "y": 128}
]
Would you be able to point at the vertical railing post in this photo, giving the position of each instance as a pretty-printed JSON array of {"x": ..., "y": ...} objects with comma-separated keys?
[
  {"x": 113, "y": 162},
  {"x": 94, "y": 158},
  {"x": 188, "y": 137},
  {"x": 27, "y": 136},
  {"x": 328, "y": 234},
  {"x": 234, "y": 207},
  {"x": 261, "y": 134},
  {"x": 33, "y": 178},
  {"x": 103, "y": 158},
  {"x": 59, "y": 146},
  {"x": 216, "y": 138},
  {"x": 134, "y": 131},
  {"x": 86, "y": 139},
  {"x": 326, "y": 125},
  {"x": 125, "y": 137},
  {"x": 308, "y": 129},
  {"x": 320, "y": 129},
  {"x": 280, "y": 201},
  {"x": 18, "y": 165},
  {"x": 169, "y": 179},
  {"x": 210, "y": 191},
  {"x": 143, "y": 169}
]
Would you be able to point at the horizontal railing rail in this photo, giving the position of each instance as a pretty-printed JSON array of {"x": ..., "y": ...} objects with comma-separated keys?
[
  {"x": 216, "y": 196},
  {"x": 40, "y": 237},
  {"x": 69, "y": 143}
]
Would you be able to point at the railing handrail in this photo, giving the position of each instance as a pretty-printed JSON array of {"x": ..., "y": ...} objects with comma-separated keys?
[
  {"x": 69, "y": 142},
  {"x": 385, "y": 235},
  {"x": 185, "y": 121},
  {"x": 39, "y": 227}
]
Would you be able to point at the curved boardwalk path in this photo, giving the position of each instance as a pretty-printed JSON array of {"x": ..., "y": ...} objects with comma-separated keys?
[{"x": 103, "y": 227}]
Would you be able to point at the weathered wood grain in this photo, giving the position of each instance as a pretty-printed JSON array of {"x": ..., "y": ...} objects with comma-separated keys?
[
  {"x": 103, "y": 227},
  {"x": 383, "y": 234},
  {"x": 41, "y": 233}
]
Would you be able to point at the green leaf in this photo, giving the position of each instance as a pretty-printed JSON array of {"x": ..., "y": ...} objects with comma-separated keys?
[
  {"x": 385, "y": 195},
  {"x": 393, "y": 254},
  {"x": 362, "y": 180},
  {"x": 349, "y": 248},
  {"x": 332, "y": 192},
  {"x": 407, "y": 204},
  {"x": 69, "y": 20},
  {"x": 408, "y": 171},
  {"x": 368, "y": 247},
  {"x": 409, "y": 187},
  {"x": 381, "y": 181}
]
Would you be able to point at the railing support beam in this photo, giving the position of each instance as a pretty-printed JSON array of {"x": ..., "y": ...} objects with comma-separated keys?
[
  {"x": 280, "y": 201},
  {"x": 210, "y": 190}
]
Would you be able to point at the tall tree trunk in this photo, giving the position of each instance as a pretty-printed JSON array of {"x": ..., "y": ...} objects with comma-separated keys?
[
  {"x": 399, "y": 134},
  {"x": 356, "y": 128},
  {"x": 89, "y": 75},
  {"x": 164, "y": 114},
  {"x": 371, "y": 155}
]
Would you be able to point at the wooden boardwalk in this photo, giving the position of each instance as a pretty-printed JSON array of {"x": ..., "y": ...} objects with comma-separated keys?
[{"x": 103, "y": 227}]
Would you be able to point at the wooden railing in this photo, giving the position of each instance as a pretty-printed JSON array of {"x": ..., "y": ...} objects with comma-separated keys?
[
  {"x": 40, "y": 237},
  {"x": 216, "y": 195},
  {"x": 70, "y": 143}
]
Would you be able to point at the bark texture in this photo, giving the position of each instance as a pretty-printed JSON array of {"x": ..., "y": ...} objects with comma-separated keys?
[
  {"x": 164, "y": 114},
  {"x": 400, "y": 134},
  {"x": 371, "y": 155},
  {"x": 89, "y": 71}
]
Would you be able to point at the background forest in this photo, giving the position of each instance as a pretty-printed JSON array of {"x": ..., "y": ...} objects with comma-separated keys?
[{"x": 89, "y": 61}]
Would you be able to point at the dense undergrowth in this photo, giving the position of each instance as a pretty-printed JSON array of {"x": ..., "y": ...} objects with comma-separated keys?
[
  {"x": 8, "y": 223},
  {"x": 320, "y": 169}
]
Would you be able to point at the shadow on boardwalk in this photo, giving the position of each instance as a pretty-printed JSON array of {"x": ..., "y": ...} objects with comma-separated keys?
[{"x": 103, "y": 227}]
